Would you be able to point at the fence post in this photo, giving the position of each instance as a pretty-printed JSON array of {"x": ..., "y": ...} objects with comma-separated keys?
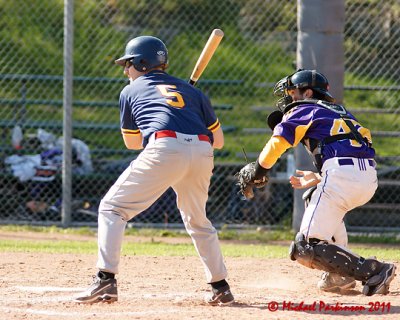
[
  {"x": 320, "y": 40},
  {"x": 67, "y": 113},
  {"x": 319, "y": 46}
]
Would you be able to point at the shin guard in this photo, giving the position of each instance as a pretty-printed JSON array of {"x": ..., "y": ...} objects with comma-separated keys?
[{"x": 332, "y": 258}]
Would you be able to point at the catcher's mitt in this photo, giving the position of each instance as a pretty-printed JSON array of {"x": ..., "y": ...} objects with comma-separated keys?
[{"x": 247, "y": 178}]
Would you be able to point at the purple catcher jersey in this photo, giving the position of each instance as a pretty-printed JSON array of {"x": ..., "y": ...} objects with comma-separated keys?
[
  {"x": 158, "y": 101},
  {"x": 311, "y": 121}
]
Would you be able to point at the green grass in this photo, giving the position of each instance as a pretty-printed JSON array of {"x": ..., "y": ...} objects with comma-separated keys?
[
  {"x": 262, "y": 244},
  {"x": 152, "y": 248},
  {"x": 262, "y": 236},
  {"x": 251, "y": 234},
  {"x": 48, "y": 230}
]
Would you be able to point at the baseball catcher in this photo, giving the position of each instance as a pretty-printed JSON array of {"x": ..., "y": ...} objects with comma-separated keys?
[{"x": 342, "y": 152}]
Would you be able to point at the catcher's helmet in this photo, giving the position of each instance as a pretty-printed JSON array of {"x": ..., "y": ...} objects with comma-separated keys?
[
  {"x": 303, "y": 79},
  {"x": 145, "y": 53}
]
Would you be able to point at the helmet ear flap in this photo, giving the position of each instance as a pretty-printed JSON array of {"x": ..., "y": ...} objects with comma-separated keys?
[{"x": 140, "y": 65}]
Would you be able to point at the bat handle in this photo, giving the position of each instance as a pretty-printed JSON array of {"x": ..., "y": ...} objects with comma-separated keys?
[{"x": 192, "y": 82}]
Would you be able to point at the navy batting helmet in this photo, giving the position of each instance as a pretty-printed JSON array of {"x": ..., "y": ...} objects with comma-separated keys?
[{"x": 145, "y": 53}]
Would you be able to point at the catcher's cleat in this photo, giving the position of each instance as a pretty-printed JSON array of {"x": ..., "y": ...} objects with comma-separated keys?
[
  {"x": 100, "y": 291},
  {"x": 379, "y": 283},
  {"x": 220, "y": 297},
  {"x": 333, "y": 282}
]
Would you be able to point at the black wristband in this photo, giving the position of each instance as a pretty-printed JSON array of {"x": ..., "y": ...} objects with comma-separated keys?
[{"x": 260, "y": 172}]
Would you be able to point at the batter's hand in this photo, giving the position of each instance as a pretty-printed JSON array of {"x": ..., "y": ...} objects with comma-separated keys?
[{"x": 305, "y": 180}]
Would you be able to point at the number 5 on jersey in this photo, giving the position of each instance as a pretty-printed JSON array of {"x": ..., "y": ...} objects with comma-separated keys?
[{"x": 174, "y": 99}]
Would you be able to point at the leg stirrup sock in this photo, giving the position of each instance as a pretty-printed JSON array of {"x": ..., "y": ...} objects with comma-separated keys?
[
  {"x": 219, "y": 284},
  {"x": 103, "y": 275}
]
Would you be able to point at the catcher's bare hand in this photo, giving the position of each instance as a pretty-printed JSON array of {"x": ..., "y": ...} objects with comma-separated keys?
[{"x": 305, "y": 180}]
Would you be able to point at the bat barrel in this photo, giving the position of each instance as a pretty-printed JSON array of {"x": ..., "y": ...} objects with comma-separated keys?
[{"x": 205, "y": 56}]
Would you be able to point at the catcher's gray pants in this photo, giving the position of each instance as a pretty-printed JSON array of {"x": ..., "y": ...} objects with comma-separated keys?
[{"x": 184, "y": 163}]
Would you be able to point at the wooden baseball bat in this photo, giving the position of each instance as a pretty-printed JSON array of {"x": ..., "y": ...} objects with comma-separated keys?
[{"x": 205, "y": 56}]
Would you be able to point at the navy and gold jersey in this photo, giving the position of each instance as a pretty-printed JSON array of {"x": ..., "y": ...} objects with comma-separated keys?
[
  {"x": 158, "y": 101},
  {"x": 313, "y": 121}
]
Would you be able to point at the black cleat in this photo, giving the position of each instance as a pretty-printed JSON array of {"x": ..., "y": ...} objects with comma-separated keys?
[
  {"x": 99, "y": 291},
  {"x": 379, "y": 283},
  {"x": 221, "y": 297}
]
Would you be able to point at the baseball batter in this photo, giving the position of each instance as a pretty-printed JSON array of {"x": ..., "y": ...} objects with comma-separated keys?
[
  {"x": 342, "y": 151},
  {"x": 177, "y": 128}
]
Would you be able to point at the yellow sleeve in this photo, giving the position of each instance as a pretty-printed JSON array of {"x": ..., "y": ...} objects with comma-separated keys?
[{"x": 275, "y": 147}]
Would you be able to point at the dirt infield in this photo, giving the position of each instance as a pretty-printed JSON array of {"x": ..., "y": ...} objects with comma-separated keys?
[{"x": 41, "y": 286}]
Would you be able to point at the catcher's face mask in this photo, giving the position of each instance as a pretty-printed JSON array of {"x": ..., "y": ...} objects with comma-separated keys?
[{"x": 283, "y": 89}]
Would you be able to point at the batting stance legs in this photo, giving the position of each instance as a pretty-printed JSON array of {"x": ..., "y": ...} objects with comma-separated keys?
[
  {"x": 315, "y": 246},
  {"x": 143, "y": 182}
]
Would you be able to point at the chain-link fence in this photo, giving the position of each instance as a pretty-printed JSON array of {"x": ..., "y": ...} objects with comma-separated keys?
[{"x": 258, "y": 49}]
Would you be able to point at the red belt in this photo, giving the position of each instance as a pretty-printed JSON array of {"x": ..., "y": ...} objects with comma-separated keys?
[{"x": 172, "y": 134}]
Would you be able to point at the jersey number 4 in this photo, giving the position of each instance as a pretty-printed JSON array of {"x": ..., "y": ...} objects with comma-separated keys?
[
  {"x": 340, "y": 126},
  {"x": 173, "y": 98}
]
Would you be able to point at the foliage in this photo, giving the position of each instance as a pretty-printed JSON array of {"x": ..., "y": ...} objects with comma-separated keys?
[{"x": 254, "y": 50}]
